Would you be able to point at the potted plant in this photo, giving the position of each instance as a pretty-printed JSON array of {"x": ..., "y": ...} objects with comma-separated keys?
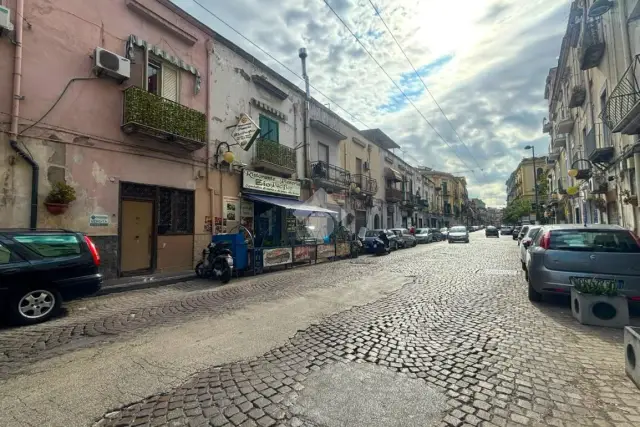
[
  {"x": 597, "y": 302},
  {"x": 628, "y": 198},
  {"x": 632, "y": 353},
  {"x": 58, "y": 199}
]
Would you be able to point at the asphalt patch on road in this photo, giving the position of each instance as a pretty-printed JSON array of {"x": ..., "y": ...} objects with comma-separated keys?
[{"x": 362, "y": 394}]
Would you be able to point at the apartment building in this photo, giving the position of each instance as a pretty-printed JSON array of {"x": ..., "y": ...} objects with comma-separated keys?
[{"x": 594, "y": 116}]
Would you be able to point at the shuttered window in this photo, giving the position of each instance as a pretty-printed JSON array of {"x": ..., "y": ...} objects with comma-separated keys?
[
  {"x": 269, "y": 129},
  {"x": 169, "y": 83}
]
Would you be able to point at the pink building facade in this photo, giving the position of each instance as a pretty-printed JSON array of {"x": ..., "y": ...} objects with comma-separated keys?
[{"x": 127, "y": 132}]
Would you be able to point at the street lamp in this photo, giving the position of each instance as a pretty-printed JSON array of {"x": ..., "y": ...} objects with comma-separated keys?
[{"x": 535, "y": 179}]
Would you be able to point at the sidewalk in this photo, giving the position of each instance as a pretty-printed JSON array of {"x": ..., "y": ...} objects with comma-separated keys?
[{"x": 125, "y": 284}]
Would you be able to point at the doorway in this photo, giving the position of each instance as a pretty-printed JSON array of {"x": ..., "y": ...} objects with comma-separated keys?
[
  {"x": 376, "y": 222},
  {"x": 361, "y": 220},
  {"x": 136, "y": 235}
]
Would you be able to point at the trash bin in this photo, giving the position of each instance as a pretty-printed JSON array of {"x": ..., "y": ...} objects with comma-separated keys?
[{"x": 238, "y": 247}]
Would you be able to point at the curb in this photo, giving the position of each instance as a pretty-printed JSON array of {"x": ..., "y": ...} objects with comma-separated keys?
[{"x": 144, "y": 284}]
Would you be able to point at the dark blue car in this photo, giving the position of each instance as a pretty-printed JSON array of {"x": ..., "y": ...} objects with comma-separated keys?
[{"x": 373, "y": 244}]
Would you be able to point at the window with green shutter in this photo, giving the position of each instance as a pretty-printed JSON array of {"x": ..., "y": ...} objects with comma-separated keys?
[{"x": 269, "y": 129}]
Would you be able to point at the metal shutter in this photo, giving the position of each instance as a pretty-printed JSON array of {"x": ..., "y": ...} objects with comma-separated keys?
[{"x": 169, "y": 83}]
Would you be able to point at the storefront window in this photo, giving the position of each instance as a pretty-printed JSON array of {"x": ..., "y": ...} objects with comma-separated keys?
[{"x": 175, "y": 211}]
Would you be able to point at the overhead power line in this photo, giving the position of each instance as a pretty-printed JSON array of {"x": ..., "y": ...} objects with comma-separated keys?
[
  {"x": 424, "y": 84},
  {"x": 396, "y": 84}
]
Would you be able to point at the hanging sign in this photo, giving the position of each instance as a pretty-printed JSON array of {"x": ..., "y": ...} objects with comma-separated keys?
[{"x": 245, "y": 132}]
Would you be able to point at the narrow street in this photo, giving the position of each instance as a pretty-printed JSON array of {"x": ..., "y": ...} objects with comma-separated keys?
[{"x": 437, "y": 335}]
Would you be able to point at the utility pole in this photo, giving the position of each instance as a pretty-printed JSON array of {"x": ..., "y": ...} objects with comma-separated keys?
[
  {"x": 302, "y": 53},
  {"x": 535, "y": 179}
]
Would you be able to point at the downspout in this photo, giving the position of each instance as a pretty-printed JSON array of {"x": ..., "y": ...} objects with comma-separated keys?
[
  {"x": 209, "y": 49},
  {"x": 15, "y": 113},
  {"x": 302, "y": 53}
]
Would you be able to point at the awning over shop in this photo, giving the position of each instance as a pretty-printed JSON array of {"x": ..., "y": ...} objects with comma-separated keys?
[
  {"x": 391, "y": 173},
  {"x": 295, "y": 205}
]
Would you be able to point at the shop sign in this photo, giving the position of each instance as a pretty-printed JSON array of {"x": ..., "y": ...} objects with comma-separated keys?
[
  {"x": 245, "y": 132},
  {"x": 277, "y": 256},
  {"x": 253, "y": 180},
  {"x": 230, "y": 208},
  {"x": 326, "y": 251},
  {"x": 96, "y": 220},
  {"x": 343, "y": 249},
  {"x": 301, "y": 253},
  {"x": 246, "y": 209}
]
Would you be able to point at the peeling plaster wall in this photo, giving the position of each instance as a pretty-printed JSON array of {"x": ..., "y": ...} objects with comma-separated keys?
[{"x": 231, "y": 95}]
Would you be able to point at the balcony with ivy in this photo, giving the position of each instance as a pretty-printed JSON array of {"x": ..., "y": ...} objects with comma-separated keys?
[
  {"x": 163, "y": 119},
  {"x": 274, "y": 157}
]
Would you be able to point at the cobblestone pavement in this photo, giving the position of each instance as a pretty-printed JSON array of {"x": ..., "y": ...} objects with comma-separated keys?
[{"x": 463, "y": 326}]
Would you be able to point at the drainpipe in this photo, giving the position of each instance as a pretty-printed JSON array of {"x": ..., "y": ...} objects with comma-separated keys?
[
  {"x": 209, "y": 49},
  {"x": 15, "y": 113},
  {"x": 302, "y": 53}
]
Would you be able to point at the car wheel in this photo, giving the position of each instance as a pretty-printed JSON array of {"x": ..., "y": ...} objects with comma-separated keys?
[
  {"x": 523, "y": 265},
  {"x": 534, "y": 295},
  {"x": 34, "y": 306},
  {"x": 200, "y": 269}
]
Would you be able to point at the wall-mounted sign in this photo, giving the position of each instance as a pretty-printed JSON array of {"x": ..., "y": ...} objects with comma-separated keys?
[
  {"x": 272, "y": 184},
  {"x": 277, "y": 256},
  {"x": 246, "y": 209},
  {"x": 326, "y": 251},
  {"x": 98, "y": 220},
  {"x": 245, "y": 132},
  {"x": 301, "y": 253},
  {"x": 231, "y": 208}
]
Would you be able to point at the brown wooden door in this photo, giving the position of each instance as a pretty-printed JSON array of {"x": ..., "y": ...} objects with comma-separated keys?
[{"x": 136, "y": 235}]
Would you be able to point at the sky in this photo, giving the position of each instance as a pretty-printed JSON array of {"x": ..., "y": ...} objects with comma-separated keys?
[{"x": 484, "y": 61}]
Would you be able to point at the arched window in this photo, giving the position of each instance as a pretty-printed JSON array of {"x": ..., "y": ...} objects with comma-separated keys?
[{"x": 539, "y": 172}]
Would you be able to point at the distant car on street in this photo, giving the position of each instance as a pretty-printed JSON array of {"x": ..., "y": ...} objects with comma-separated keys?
[
  {"x": 527, "y": 240},
  {"x": 491, "y": 231},
  {"x": 437, "y": 235},
  {"x": 506, "y": 230},
  {"x": 405, "y": 238},
  {"x": 459, "y": 233},
  {"x": 370, "y": 235},
  {"x": 523, "y": 231},
  {"x": 444, "y": 231},
  {"x": 40, "y": 268},
  {"x": 423, "y": 235},
  {"x": 515, "y": 232},
  {"x": 565, "y": 255}
]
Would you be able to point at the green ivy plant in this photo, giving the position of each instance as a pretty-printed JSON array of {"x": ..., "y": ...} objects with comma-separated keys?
[
  {"x": 61, "y": 193},
  {"x": 149, "y": 110},
  {"x": 596, "y": 287},
  {"x": 277, "y": 154}
]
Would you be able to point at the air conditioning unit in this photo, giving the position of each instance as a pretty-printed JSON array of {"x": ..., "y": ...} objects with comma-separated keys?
[
  {"x": 5, "y": 20},
  {"x": 111, "y": 65},
  {"x": 365, "y": 166},
  {"x": 598, "y": 185}
]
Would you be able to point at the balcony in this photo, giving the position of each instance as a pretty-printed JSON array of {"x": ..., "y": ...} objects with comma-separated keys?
[
  {"x": 275, "y": 157},
  {"x": 565, "y": 125},
  {"x": 622, "y": 112},
  {"x": 592, "y": 50},
  {"x": 393, "y": 195},
  {"x": 578, "y": 95},
  {"x": 559, "y": 141},
  {"x": 598, "y": 147},
  {"x": 546, "y": 126},
  {"x": 368, "y": 186},
  {"x": 330, "y": 177},
  {"x": 162, "y": 119}
]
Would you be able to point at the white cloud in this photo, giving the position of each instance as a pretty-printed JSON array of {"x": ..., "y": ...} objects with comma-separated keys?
[{"x": 491, "y": 89}]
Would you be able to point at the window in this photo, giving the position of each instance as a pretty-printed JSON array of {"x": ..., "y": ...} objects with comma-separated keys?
[
  {"x": 605, "y": 129},
  {"x": 323, "y": 152},
  {"x": 444, "y": 187},
  {"x": 175, "y": 211},
  {"x": 269, "y": 129},
  {"x": 153, "y": 77},
  {"x": 6, "y": 256},
  {"x": 632, "y": 181},
  {"x": 619, "y": 241},
  {"x": 50, "y": 245}
]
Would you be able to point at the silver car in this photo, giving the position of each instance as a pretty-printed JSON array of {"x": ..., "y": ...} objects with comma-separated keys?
[
  {"x": 459, "y": 233},
  {"x": 423, "y": 235},
  {"x": 562, "y": 255}
]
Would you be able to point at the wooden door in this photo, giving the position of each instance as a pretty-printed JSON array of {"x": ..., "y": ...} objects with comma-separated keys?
[{"x": 136, "y": 235}]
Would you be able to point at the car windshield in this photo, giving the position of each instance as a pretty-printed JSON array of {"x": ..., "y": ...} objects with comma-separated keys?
[
  {"x": 444, "y": 230},
  {"x": 620, "y": 241},
  {"x": 458, "y": 229},
  {"x": 372, "y": 233},
  {"x": 397, "y": 232},
  {"x": 422, "y": 231},
  {"x": 491, "y": 228}
]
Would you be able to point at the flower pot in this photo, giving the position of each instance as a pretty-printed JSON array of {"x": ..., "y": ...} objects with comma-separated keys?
[
  {"x": 56, "y": 208},
  {"x": 632, "y": 354},
  {"x": 600, "y": 310}
]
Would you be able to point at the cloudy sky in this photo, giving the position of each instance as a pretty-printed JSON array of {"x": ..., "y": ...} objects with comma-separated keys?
[{"x": 484, "y": 61}]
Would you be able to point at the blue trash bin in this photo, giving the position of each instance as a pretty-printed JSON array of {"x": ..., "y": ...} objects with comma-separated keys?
[{"x": 238, "y": 247}]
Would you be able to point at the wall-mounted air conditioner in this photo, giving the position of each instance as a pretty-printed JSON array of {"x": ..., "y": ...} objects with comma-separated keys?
[
  {"x": 365, "y": 166},
  {"x": 5, "y": 20},
  {"x": 109, "y": 64}
]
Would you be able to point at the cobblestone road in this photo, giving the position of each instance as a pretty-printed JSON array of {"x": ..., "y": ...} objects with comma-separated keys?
[{"x": 462, "y": 327}]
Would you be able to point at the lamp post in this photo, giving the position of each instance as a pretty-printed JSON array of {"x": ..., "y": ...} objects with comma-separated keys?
[{"x": 535, "y": 179}]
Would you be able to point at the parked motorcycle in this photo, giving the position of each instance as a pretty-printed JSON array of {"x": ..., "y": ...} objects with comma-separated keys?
[{"x": 216, "y": 263}]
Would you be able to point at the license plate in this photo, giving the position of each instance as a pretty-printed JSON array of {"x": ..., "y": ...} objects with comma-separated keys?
[{"x": 584, "y": 281}]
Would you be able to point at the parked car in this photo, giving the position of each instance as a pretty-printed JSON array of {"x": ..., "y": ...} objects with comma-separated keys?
[
  {"x": 563, "y": 255},
  {"x": 444, "y": 231},
  {"x": 437, "y": 235},
  {"x": 405, "y": 238},
  {"x": 515, "y": 232},
  {"x": 526, "y": 243},
  {"x": 373, "y": 244},
  {"x": 491, "y": 231},
  {"x": 523, "y": 231},
  {"x": 394, "y": 242},
  {"x": 41, "y": 268},
  {"x": 423, "y": 235},
  {"x": 506, "y": 230},
  {"x": 459, "y": 233}
]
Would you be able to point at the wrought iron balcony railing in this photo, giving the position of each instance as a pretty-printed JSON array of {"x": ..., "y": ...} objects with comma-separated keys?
[
  {"x": 622, "y": 111},
  {"x": 366, "y": 184},
  {"x": 393, "y": 195},
  {"x": 163, "y": 119},
  {"x": 272, "y": 155},
  {"x": 329, "y": 175},
  {"x": 592, "y": 48}
]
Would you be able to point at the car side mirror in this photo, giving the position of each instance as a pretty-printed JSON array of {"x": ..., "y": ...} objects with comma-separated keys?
[{"x": 526, "y": 243}]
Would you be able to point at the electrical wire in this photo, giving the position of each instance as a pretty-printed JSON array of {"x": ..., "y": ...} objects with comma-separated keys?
[
  {"x": 396, "y": 84},
  {"x": 424, "y": 84}
]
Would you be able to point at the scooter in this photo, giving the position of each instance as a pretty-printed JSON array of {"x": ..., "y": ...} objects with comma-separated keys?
[{"x": 216, "y": 263}]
